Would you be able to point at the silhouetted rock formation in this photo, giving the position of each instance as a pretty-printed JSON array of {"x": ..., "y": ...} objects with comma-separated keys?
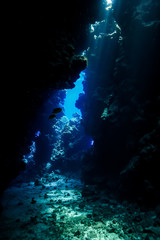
[
  {"x": 40, "y": 45},
  {"x": 121, "y": 109}
]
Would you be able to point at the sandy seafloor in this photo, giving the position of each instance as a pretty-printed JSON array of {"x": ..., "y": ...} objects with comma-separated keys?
[{"x": 61, "y": 208}]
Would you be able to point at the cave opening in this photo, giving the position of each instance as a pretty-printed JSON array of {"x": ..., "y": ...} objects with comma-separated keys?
[
  {"x": 61, "y": 140},
  {"x": 72, "y": 96}
]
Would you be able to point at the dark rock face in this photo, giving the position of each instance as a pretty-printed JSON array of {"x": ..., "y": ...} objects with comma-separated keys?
[
  {"x": 40, "y": 45},
  {"x": 54, "y": 69},
  {"x": 124, "y": 104},
  {"x": 142, "y": 51}
]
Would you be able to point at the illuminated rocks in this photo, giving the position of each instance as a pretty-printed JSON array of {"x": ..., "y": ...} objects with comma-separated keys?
[
  {"x": 70, "y": 145},
  {"x": 63, "y": 213}
]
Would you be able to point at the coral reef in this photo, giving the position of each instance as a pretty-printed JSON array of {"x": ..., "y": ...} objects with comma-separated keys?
[{"x": 69, "y": 146}]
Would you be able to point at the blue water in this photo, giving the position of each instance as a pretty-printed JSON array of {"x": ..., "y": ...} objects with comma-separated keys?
[{"x": 72, "y": 96}]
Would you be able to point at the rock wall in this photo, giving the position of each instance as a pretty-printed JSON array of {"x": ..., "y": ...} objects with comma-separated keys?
[
  {"x": 40, "y": 44},
  {"x": 121, "y": 108}
]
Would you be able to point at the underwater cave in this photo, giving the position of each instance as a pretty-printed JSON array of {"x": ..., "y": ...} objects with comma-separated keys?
[{"x": 80, "y": 121}]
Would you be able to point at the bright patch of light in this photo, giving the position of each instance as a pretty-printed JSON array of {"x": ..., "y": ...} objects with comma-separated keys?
[
  {"x": 109, "y": 4},
  {"x": 72, "y": 96},
  {"x": 33, "y": 147},
  {"x": 95, "y": 25},
  {"x": 48, "y": 166},
  {"x": 37, "y": 134},
  {"x": 117, "y": 26},
  {"x": 109, "y": 1},
  {"x": 109, "y": 7},
  {"x": 92, "y": 142},
  {"x": 85, "y": 51},
  {"x": 29, "y": 157},
  {"x": 92, "y": 28}
]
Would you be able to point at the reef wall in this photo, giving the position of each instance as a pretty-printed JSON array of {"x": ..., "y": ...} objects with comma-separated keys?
[
  {"x": 40, "y": 43},
  {"x": 121, "y": 108}
]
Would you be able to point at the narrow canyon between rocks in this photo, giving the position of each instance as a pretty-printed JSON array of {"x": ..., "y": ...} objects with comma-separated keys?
[{"x": 80, "y": 121}]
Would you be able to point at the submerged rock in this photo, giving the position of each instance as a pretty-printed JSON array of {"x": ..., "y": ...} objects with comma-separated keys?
[{"x": 121, "y": 106}]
